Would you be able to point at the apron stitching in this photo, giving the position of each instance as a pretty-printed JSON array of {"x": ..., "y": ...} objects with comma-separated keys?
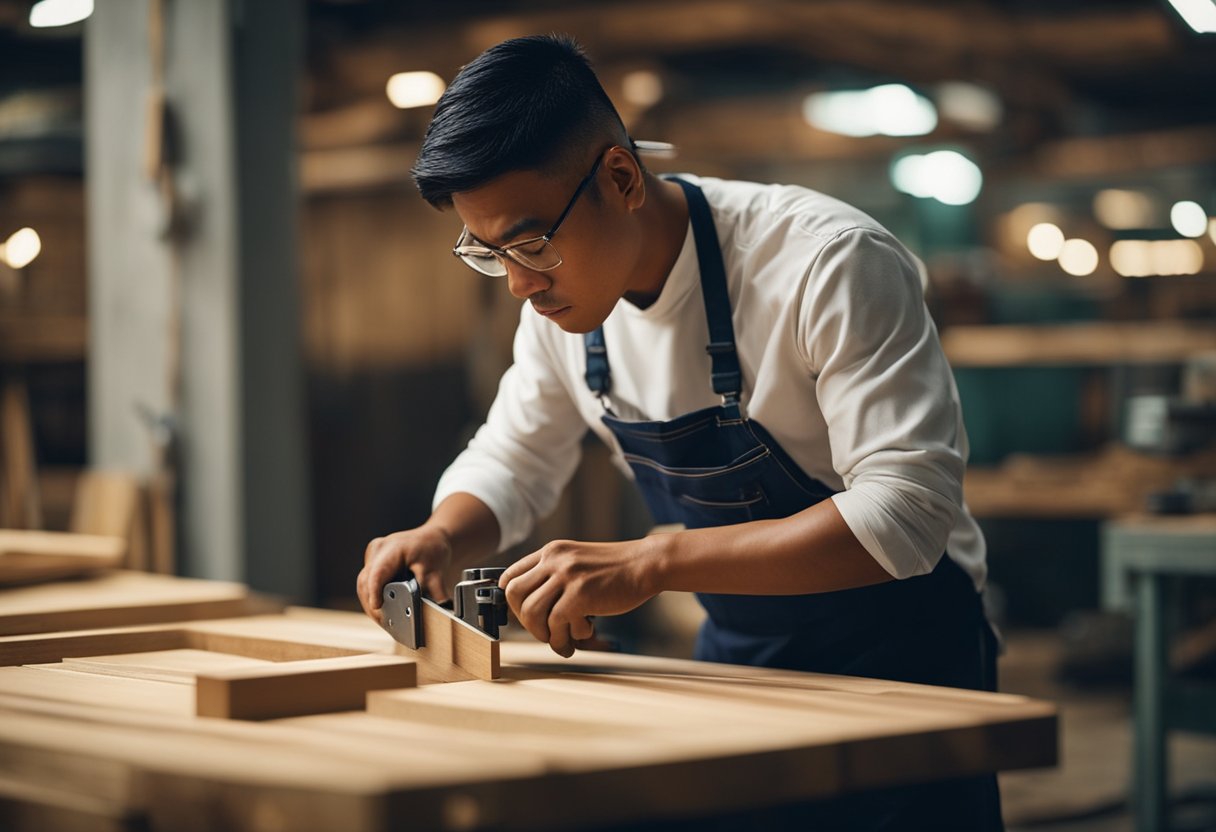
[{"x": 702, "y": 472}]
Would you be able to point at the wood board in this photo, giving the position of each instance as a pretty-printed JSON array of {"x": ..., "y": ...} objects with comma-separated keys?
[
  {"x": 258, "y": 667},
  {"x": 32, "y": 556},
  {"x": 552, "y": 743},
  {"x": 120, "y": 598}
]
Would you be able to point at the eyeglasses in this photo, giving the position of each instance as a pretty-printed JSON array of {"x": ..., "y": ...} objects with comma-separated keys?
[{"x": 535, "y": 253}]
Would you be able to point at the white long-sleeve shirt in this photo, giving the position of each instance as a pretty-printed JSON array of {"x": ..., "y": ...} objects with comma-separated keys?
[{"x": 841, "y": 364}]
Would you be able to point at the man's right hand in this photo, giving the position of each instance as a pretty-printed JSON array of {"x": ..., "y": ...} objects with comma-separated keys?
[{"x": 426, "y": 551}]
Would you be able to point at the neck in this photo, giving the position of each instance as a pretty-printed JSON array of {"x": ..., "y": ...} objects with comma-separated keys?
[{"x": 663, "y": 219}]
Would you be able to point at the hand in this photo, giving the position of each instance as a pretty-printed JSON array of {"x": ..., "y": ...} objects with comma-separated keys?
[
  {"x": 554, "y": 590},
  {"x": 426, "y": 551}
]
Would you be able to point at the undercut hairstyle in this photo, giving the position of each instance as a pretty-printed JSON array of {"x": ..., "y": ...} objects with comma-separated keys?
[{"x": 531, "y": 103}]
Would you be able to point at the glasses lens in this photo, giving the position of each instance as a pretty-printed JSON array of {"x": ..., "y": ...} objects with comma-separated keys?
[
  {"x": 538, "y": 254},
  {"x": 485, "y": 262}
]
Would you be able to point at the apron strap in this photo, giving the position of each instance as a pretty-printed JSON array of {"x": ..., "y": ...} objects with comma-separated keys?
[
  {"x": 726, "y": 376},
  {"x": 725, "y": 373},
  {"x": 598, "y": 375}
]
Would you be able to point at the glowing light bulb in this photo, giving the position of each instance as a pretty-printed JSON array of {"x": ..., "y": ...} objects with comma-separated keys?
[
  {"x": 1078, "y": 257},
  {"x": 22, "y": 247},
  {"x": 1045, "y": 241},
  {"x": 1189, "y": 219},
  {"x": 49, "y": 13},
  {"x": 414, "y": 89}
]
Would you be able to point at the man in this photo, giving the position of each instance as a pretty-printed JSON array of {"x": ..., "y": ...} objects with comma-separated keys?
[{"x": 759, "y": 358}]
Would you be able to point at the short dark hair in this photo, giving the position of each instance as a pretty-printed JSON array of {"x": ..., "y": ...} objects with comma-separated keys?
[{"x": 531, "y": 103}]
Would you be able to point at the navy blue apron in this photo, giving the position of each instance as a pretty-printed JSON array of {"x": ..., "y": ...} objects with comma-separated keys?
[{"x": 717, "y": 467}]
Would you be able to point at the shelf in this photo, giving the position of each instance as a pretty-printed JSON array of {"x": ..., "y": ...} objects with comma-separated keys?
[{"x": 1140, "y": 342}]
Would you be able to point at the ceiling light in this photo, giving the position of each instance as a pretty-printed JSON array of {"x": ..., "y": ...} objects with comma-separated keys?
[
  {"x": 414, "y": 89},
  {"x": 48, "y": 13},
  {"x": 21, "y": 248},
  {"x": 1045, "y": 241},
  {"x": 1189, "y": 219},
  {"x": 642, "y": 87},
  {"x": 1144, "y": 258},
  {"x": 1078, "y": 257},
  {"x": 1132, "y": 258},
  {"x": 1200, "y": 15},
  {"x": 1122, "y": 210},
  {"x": 1177, "y": 257},
  {"x": 945, "y": 175},
  {"x": 969, "y": 104},
  {"x": 889, "y": 110}
]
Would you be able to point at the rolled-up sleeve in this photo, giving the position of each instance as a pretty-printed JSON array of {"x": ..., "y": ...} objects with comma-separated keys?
[
  {"x": 519, "y": 461},
  {"x": 885, "y": 390}
]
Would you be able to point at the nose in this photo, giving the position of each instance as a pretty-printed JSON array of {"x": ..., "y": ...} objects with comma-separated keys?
[{"x": 523, "y": 282}]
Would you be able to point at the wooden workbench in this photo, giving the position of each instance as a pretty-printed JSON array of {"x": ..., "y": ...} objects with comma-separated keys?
[{"x": 309, "y": 719}]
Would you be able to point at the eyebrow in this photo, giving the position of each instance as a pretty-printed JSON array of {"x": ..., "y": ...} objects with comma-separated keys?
[{"x": 520, "y": 226}]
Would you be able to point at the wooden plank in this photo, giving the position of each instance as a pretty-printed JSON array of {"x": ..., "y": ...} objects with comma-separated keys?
[
  {"x": 55, "y": 684},
  {"x": 122, "y": 598},
  {"x": 177, "y": 665},
  {"x": 455, "y": 651},
  {"x": 29, "y": 556},
  {"x": 305, "y": 687}
]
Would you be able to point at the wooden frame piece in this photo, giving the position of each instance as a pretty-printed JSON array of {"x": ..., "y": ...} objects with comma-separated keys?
[
  {"x": 455, "y": 650},
  {"x": 309, "y": 671},
  {"x": 311, "y": 686}
]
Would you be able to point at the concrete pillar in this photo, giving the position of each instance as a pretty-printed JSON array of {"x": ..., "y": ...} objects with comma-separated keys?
[{"x": 232, "y": 71}]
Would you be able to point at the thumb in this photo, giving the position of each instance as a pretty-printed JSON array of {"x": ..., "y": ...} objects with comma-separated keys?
[{"x": 433, "y": 582}]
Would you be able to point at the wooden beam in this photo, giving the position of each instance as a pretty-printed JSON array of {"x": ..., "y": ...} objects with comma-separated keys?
[{"x": 297, "y": 688}]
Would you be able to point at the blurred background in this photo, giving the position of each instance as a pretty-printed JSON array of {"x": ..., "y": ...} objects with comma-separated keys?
[{"x": 232, "y": 332}]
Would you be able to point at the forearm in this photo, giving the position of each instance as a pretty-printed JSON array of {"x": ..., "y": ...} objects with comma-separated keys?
[
  {"x": 469, "y": 526},
  {"x": 812, "y": 551}
]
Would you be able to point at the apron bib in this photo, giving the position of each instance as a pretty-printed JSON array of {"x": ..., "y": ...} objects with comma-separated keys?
[{"x": 717, "y": 467}]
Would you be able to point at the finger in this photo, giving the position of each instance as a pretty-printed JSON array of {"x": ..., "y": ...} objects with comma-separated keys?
[
  {"x": 360, "y": 594},
  {"x": 582, "y": 628},
  {"x": 382, "y": 570},
  {"x": 522, "y": 586},
  {"x": 564, "y": 625},
  {"x": 536, "y": 609},
  {"x": 433, "y": 581},
  {"x": 518, "y": 568},
  {"x": 560, "y": 640}
]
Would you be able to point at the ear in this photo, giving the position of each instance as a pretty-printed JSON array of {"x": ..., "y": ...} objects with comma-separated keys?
[{"x": 627, "y": 179}]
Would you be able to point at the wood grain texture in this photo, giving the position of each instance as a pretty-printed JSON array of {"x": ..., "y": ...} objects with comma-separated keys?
[
  {"x": 295, "y": 688},
  {"x": 454, "y": 651},
  {"x": 122, "y": 598},
  {"x": 30, "y": 556},
  {"x": 551, "y": 743}
]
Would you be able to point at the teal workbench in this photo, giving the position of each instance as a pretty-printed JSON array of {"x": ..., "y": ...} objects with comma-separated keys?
[{"x": 1143, "y": 560}]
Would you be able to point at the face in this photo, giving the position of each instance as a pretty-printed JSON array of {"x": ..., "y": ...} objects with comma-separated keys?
[{"x": 598, "y": 240}]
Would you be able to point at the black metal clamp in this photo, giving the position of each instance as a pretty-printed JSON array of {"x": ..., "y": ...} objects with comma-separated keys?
[{"x": 477, "y": 600}]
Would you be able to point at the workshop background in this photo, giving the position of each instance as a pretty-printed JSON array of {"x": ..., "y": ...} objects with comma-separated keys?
[{"x": 233, "y": 333}]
